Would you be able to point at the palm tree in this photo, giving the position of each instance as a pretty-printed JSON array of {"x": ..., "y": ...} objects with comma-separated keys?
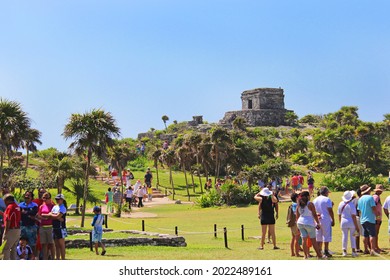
[
  {"x": 13, "y": 125},
  {"x": 156, "y": 155},
  {"x": 92, "y": 132},
  {"x": 120, "y": 153},
  {"x": 165, "y": 118},
  {"x": 31, "y": 138},
  {"x": 222, "y": 142}
]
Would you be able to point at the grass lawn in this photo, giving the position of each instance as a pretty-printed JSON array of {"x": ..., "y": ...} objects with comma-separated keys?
[{"x": 197, "y": 226}]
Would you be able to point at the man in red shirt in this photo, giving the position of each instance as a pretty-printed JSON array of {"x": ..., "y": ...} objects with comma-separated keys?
[{"x": 11, "y": 235}]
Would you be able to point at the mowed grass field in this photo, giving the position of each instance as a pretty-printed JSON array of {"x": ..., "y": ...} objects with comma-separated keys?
[{"x": 196, "y": 225}]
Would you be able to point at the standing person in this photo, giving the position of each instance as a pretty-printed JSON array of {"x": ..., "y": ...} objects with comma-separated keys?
[
  {"x": 117, "y": 197},
  {"x": 292, "y": 224},
  {"x": 140, "y": 194},
  {"x": 367, "y": 208},
  {"x": 58, "y": 215},
  {"x": 324, "y": 208},
  {"x": 148, "y": 178},
  {"x": 28, "y": 226},
  {"x": 97, "y": 232},
  {"x": 308, "y": 222},
  {"x": 130, "y": 176},
  {"x": 378, "y": 220},
  {"x": 46, "y": 227},
  {"x": 310, "y": 184},
  {"x": 129, "y": 195},
  {"x": 386, "y": 208},
  {"x": 109, "y": 200},
  {"x": 348, "y": 223},
  {"x": 288, "y": 183},
  {"x": 12, "y": 217},
  {"x": 301, "y": 181},
  {"x": 294, "y": 183},
  {"x": 357, "y": 237},
  {"x": 266, "y": 214}
]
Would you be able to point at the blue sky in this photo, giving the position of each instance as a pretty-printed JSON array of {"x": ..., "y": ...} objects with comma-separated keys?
[{"x": 142, "y": 59}]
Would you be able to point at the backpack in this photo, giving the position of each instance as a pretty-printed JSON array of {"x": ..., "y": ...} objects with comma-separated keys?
[{"x": 291, "y": 217}]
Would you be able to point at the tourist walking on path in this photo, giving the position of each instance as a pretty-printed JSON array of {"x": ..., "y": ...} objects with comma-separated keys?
[
  {"x": 140, "y": 194},
  {"x": 97, "y": 232},
  {"x": 310, "y": 184},
  {"x": 267, "y": 213},
  {"x": 348, "y": 223},
  {"x": 109, "y": 201},
  {"x": 308, "y": 222},
  {"x": 324, "y": 209},
  {"x": 367, "y": 208},
  {"x": 12, "y": 217}
]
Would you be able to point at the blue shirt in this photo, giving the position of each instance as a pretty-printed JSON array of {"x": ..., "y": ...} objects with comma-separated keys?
[
  {"x": 365, "y": 204},
  {"x": 28, "y": 212}
]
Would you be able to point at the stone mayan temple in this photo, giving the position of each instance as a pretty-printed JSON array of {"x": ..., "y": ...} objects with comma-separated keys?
[{"x": 260, "y": 107}]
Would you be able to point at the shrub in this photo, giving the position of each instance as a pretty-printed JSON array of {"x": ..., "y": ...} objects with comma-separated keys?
[
  {"x": 209, "y": 199},
  {"x": 348, "y": 178}
]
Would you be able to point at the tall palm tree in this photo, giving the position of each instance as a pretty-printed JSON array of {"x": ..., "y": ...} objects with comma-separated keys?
[
  {"x": 165, "y": 118},
  {"x": 222, "y": 142},
  {"x": 30, "y": 140},
  {"x": 92, "y": 132},
  {"x": 13, "y": 125}
]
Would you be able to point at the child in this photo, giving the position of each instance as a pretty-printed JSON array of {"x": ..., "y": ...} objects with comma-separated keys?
[
  {"x": 24, "y": 250},
  {"x": 292, "y": 224},
  {"x": 97, "y": 232}
]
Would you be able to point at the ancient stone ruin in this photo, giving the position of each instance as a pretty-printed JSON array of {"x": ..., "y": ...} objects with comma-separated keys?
[{"x": 260, "y": 107}]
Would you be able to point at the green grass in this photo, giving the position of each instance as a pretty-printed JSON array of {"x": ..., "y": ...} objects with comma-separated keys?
[{"x": 196, "y": 225}]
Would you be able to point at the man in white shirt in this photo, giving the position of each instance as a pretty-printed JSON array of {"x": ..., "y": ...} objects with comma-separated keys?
[{"x": 324, "y": 209}]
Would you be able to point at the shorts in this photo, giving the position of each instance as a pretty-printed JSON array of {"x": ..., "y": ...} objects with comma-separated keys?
[
  {"x": 267, "y": 219},
  {"x": 46, "y": 235},
  {"x": 129, "y": 199},
  {"x": 30, "y": 232},
  {"x": 369, "y": 229},
  {"x": 294, "y": 230},
  {"x": 97, "y": 236},
  {"x": 360, "y": 226},
  {"x": 307, "y": 231},
  {"x": 324, "y": 234},
  {"x": 148, "y": 184},
  {"x": 59, "y": 233},
  {"x": 311, "y": 187}
]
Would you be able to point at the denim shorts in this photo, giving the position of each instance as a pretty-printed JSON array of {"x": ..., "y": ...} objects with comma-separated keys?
[{"x": 307, "y": 231}]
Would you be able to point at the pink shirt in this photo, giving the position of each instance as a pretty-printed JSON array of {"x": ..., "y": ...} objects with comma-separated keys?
[{"x": 45, "y": 209}]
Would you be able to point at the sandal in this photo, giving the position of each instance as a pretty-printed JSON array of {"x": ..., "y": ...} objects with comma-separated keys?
[{"x": 260, "y": 248}]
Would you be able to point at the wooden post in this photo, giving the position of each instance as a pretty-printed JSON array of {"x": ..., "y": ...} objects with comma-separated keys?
[
  {"x": 176, "y": 231},
  {"x": 242, "y": 233},
  {"x": 225, "y": 237},
  {"x": 106, "y": 220},
  {"x": 90, "y": 241},
  {"x": 215, "y": 230},
  {"x": 143, "y": 225}
]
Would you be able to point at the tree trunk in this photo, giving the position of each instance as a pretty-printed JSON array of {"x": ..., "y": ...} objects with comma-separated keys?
[
  {"x": 120, "y": 202},
  {"x": 200, "y": 181},
  {"x": 193, "y": 182},
  {"x": 187, "y": 188},
  {"x": 85, "y": 194},
  {"x": 27, "y": 152},
  {"x": 157, "y": 177},
  {"x": 173, "y": 186}
]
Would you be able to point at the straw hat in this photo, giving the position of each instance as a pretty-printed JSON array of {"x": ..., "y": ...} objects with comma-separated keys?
[
  {"x": 365, "y": 189},
  {"x": 379, "y": 188}
]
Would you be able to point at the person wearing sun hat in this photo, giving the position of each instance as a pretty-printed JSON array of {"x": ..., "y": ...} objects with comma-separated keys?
[
  {"x": 267, "y": 213},
  {"x": 367, "y": 208},
  {"x": 347, "y": 218}
]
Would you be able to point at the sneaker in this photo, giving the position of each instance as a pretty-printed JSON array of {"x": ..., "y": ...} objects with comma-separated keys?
[
  {"x": 276, "y": 248},
  {"x": 104, "y": 252},
  {"x": 354, "y": 255},
  {"x": 344, "y": 254}
]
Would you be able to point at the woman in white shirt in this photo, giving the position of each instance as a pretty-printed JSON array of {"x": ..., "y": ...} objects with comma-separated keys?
[{"x": 348, "y": 223}]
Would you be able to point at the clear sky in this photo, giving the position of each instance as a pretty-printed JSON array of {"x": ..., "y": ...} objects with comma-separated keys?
[{"x": 142, "y": 59}]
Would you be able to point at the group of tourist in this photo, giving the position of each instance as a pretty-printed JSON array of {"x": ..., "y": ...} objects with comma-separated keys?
[
  {"x": 359, "y": 215},
  {"x": 34, "y": 228},
  {"x": 134, "y": 195}
]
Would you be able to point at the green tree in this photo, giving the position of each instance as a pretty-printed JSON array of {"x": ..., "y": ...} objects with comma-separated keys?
[
  {"x": 93, "y": 133},
  {"x": 13, "y": 126},
  {"x": 31, "y": 138}
]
